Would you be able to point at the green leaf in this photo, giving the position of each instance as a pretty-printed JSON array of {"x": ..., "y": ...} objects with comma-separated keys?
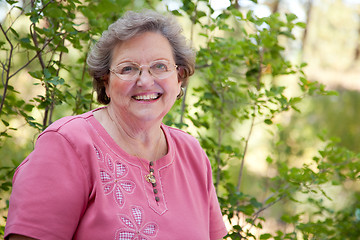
[
  {"x": 265, "y": 236},
  {"x": 47, "y": 73},
  {"x": 28, "y": 107},
  {"x": 57, "y": 81},
  {"x": 176, "y": 13},
  {"x": 200, "y": 14},
  {"x": 36, "y": 74},
  {"x": 296, "y": 109},
  {"x": 332, "y": 93},
  {"x": 269, "y": 160},
  {"x": 6, "y": 186},
  {"x": 34, "y": 18},
  {"x": 63, "y": 49},
  {"x": 295, "y": 100},
  {"x": 14, "y": 32},
  {"x": 2, "y": 43},
  {"x": 301, "y": 24},
  {"x": 11, "y": 2},
  {"x": 25, "y": 40},
  {"x": 268, "y": 121},
  {"x": 290, "y": 17},
  {"x": 5, "y": 122}
]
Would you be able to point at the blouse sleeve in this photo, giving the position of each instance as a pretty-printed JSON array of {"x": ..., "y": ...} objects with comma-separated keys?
[
  {"x": 50, "y": 191},
  {"x": 217, "y": 226}
]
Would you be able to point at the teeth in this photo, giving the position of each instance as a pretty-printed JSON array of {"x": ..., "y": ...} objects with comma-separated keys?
[{"x": 147, "y": 97}]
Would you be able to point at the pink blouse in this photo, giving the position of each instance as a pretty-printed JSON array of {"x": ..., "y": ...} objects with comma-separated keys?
[{"x": 79, "y": 184}]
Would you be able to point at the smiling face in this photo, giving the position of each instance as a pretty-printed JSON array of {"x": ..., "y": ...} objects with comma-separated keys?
[{"x": 145, "y": 98}]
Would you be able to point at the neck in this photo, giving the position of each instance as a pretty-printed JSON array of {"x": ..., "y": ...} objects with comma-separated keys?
[{"x": 144, "y": 142}]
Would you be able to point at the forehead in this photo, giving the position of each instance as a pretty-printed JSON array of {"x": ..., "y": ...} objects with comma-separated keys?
[{"x": 143, "y": 48}]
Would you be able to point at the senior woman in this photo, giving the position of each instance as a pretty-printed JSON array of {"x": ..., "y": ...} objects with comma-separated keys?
[{"x": 118, "y": 172}]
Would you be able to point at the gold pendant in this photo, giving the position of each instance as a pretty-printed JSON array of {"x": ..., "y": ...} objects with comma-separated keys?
[{"x": 150, "y": 178}]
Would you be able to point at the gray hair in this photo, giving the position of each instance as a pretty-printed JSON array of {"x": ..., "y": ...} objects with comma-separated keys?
[{"x": 128, "y": 26}]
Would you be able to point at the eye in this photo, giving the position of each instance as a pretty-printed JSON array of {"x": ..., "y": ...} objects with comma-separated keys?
[
  {"x": 127, "y": 68},
  {"x": 159, "y": 67}
]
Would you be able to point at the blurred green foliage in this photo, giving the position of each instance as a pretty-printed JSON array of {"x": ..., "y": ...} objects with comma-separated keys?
[
  {"x": 338, "y": 115},
  {"x": 239, "y": 61}
]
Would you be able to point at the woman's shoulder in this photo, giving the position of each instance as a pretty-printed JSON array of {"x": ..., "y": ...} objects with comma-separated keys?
[
  {"x": 178, "y": 132},
  {"x": 68, "y": 123},
  {"x": 179, "y": 135},
  {"x": 73, "y": 128}
]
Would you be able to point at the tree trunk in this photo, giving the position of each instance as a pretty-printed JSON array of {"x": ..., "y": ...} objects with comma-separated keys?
[{"x": 309, "y": 6}]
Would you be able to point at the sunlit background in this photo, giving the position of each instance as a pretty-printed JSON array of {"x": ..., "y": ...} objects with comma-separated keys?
[{"x": 330, "y": 45}]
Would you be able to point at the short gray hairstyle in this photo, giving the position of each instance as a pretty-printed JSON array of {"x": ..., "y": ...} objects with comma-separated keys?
[{"x": 128, "y": 26}]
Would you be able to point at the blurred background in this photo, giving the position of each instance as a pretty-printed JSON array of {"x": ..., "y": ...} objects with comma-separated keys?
[{"x": 329, "y": 44}]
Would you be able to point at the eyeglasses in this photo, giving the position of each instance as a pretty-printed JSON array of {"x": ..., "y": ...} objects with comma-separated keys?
[{"x": 129, "y": 71}]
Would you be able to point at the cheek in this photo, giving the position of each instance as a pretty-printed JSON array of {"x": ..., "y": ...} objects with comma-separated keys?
[
  {"x": 115, "y": 86},
  {"x": 174, "y": 86}
]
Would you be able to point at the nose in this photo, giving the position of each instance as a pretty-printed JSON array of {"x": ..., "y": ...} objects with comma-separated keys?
[{"x": 145, "y": 78}]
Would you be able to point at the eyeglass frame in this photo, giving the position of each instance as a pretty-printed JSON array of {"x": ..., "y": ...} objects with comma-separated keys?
[{"x": 140, "y": 67}]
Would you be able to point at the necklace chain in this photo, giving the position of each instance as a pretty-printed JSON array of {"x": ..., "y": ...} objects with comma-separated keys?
[{"x": 149, "y": 177}]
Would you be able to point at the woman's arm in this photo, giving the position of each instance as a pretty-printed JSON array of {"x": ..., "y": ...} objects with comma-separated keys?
[{"x": 50, "y": 184}]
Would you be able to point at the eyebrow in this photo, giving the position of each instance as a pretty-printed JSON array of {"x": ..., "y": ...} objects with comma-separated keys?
[{"x": 130, "y": 61}]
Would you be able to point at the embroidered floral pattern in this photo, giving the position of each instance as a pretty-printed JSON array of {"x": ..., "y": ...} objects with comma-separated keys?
[
  {"x": 135, "y": 229},
  {"x": 112, "y": 179},
  {"x": 99, "y": 154}
]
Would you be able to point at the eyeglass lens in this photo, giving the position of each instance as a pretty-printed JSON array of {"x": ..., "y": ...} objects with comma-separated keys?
[{"x": 130, "y": 71}]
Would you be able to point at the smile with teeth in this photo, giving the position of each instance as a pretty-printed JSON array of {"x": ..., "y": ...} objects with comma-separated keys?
[{"x": 147, "y": 97}]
